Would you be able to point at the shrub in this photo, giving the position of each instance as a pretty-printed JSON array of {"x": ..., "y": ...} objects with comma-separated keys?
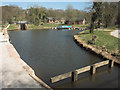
[{"x": 42, "y": 23}]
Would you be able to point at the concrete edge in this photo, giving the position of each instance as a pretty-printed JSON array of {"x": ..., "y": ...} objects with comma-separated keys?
[
  {"x": 104, "y": 54},
  {"x": 29, "y": 70}
]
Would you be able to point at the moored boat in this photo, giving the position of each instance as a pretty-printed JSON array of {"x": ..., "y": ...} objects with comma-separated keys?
[{"x": 65, "y": 27}]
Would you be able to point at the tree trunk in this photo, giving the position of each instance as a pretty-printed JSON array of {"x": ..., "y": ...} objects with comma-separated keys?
[
  {"x": 106, "y": 26},
  {"x": 92, "y": 24},
  {"x": 91, "y": 27},
  {"x": 99, "y": 24}
]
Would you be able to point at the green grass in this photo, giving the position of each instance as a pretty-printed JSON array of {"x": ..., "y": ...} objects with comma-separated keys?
[
  {"x": 13, "y": 26},
  {"x": 51, "y": 25},
  {"x": 33, "y": 26},
  {"x": 55, "y": 25},
  {"x": 80, "y": 25},
  {"x": 104, "y": 40},
  {"x": 42, "y": 26},
  {"x": 4, "y": 26},
  {"x": 112, "y": 28}
]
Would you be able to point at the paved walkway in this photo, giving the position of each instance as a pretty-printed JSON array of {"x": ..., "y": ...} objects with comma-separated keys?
[
  {"x": 116, "y": 33},
  {"x": 12, "y": 74}
]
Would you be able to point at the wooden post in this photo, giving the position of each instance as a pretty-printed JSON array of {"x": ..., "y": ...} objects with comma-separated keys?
[
  {"x": 74, "y": 76},
  {"x": 93, "y": 69},
  {"x": 111, "y": 63}
]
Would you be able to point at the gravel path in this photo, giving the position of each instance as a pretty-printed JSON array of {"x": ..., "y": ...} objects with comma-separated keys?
[{"x": 116, "y": 33}]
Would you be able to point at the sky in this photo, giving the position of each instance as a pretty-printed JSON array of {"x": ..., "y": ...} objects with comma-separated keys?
[{"x": 54, "y": 5}]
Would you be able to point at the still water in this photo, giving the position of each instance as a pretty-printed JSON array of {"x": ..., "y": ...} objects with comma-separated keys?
[{"x": 52, "y": 52}]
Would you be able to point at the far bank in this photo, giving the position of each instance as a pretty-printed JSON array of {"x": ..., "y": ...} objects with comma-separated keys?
[{"x": 104, "y": 45}]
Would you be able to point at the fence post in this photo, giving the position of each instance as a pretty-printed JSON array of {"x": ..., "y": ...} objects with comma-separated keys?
[
  {"x": 74, "y": 76},
  {"x": 93, "y": 69},
  {"x": 111, "y": 63}
]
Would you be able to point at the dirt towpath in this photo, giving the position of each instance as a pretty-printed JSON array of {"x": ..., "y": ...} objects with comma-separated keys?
[{"x": 116, "y": 33}]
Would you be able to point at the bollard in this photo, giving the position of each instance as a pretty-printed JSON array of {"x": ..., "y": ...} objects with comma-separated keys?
[
  {"x": 74, "y": 76},
  {"x": 111, "y": 63},
  {"x": 93, "y": 69}
]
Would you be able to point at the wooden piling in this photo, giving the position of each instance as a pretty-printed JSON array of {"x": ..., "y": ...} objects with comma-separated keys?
[
  {"x": 75, "y": 73},
  {"x": 74, "y": 76},
  {"x": 111, "y": 63},
  {"x": 93, "y": 69}
]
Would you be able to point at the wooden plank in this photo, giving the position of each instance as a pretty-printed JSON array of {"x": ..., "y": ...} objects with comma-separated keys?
[
  {"x": 84, "y": 69},
  {"x": 61, "y": 77},
  {"x": 101, "y": 63}
]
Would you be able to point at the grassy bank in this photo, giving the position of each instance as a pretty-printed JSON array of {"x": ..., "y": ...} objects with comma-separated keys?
[
  {"x": 48, "y": 26},
  {"x": 44, "y": 26},
  {"x": 80, "y": 25},
  {"x": 13, "y": 26},
  {"x": 104, "y": 41},
  {"x": 4, "y": 26},
  {"x": 32, "y": 26}
]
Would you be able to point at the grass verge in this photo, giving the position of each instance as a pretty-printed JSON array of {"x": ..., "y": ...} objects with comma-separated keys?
[
  {"x": 13, "y": 26},
  {"x": 32, "y": 26},
  {"x": 104, "y": 41}
]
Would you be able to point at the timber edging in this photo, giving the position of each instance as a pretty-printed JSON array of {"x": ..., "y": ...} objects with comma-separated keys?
[
  {"x": 95, "y": 50},
  {"x": 74, "y": 74}
]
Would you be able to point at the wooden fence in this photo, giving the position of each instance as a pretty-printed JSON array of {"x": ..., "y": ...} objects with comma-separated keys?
[{"x": 74, "y": 74}]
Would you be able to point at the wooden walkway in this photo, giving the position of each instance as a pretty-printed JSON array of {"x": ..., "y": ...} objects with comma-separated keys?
[{"x": 74, "y": 74}]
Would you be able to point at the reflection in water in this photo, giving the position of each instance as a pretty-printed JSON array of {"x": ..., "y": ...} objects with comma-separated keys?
[{"x": 52, "y": 52}]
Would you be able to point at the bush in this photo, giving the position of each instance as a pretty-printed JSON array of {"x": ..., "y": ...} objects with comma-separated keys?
[{"x": 42, "y": 23}]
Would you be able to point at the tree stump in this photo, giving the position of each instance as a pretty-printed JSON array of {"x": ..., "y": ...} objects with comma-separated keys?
[{"x": 94, "y": 38}]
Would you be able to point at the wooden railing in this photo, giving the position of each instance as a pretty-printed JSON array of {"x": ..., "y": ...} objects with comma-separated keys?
[{"x": 74, "y": 74}]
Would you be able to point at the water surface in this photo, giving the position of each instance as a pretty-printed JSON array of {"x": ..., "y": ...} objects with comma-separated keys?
[{"x": 52, "y": 52}]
